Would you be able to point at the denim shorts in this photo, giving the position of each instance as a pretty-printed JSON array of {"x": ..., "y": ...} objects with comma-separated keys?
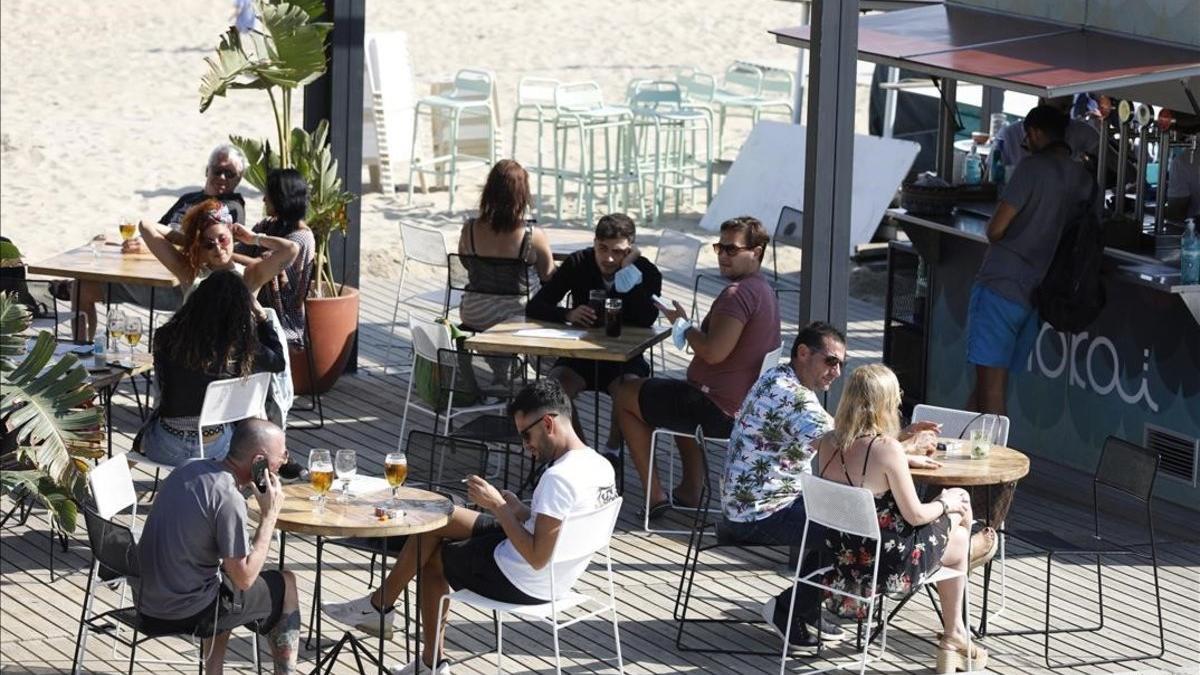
[
  {"x": 160, "y": 445},
  {"x": 1000, "y": 332}
]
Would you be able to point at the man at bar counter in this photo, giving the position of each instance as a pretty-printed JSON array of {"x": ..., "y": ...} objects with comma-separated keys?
[
  {"x": 741, "y": 328},
  {"x": 1045, "y": 192},
  {"x": 613, "y": 267}
]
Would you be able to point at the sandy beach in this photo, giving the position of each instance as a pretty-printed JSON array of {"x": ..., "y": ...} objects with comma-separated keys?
[{"x": 101, "y": 107}]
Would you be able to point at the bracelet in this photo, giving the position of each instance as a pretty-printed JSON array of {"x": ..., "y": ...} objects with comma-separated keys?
[
  {"x": 945, "y": 507},
  {"x": 258, "y": 238}
]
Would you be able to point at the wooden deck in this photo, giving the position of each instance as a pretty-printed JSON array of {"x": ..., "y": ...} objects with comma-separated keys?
[{"x": 38, "y": 618}]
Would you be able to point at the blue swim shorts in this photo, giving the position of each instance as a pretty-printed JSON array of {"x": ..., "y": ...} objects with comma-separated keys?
[{"x": 1000, "y": 332}]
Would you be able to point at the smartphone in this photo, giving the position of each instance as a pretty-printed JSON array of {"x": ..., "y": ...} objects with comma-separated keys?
[
  {"x": 663, "y": 301},
  {"x": 259, "y": 471}
]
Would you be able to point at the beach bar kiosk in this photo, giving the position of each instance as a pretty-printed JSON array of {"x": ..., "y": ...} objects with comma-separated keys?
[{"x": 1135, "y": 372}]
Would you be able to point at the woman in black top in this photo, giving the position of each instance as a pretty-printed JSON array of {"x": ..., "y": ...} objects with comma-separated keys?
[{"x": 219, "y": 333}]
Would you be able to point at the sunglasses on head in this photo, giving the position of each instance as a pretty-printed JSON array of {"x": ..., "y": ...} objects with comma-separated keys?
[
  {"x": 212, "y": 244},
  {"x": 525, "y": 432},
  {"x": 729, "y": 249}
]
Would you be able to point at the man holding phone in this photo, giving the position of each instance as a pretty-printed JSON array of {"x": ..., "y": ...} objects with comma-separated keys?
[{"x": 201, "y": 572}]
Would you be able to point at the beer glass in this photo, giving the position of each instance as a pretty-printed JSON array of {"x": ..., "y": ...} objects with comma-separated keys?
[
  {"x": 612, "y": 317},
  {"x": 346, "y": 465},
  {"x": 320, "y": 475},
  {"x": 395, "y": 468},
  {"x": 596, "y": 300}
]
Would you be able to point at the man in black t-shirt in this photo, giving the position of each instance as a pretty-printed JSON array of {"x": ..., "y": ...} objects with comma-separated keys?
[
  {"x": 222, "y": 174},
  {"x": 611, "y": 265}
]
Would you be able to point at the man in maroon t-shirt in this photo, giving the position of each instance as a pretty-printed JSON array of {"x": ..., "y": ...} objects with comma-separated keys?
[{"x": 729, "y": 345}]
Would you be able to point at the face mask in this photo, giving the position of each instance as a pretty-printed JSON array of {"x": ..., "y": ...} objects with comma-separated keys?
[
  {"x": 679, "y": 332},
  {"x": 626, "y": 278}
]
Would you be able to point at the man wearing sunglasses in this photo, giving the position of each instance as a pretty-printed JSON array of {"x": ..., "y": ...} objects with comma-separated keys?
[
  {"x": 771, "y": 447},
  {"x": 222, "y": 174},
  {"x": 728, "y": 346},
  {"x": 503, "y": 553},
  {"x": 611, "y": 265}
]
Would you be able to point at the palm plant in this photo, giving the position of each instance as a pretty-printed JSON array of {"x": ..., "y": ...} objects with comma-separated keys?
[
  {"x": 287, "y": 53},
  {"x": 41, "y": 413}
]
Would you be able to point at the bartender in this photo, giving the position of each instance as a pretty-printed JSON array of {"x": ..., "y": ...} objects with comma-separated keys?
[{"x": 1081, "y": 136}]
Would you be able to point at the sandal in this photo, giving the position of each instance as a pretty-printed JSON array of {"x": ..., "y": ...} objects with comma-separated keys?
[
  {"x": 953, "y": 659},
  {"x": 676, "y": 501},
  {"x": 658, "y": 510},
  {"x": 984, "y": 545}
]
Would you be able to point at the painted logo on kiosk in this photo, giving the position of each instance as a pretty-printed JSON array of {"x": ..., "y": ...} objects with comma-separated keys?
[{"x": 1088, "y": 372}]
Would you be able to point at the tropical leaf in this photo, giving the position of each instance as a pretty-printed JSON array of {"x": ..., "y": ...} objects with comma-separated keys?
[
  {"x": 292, "y": 51},
  {"x": 315, "y": 9},
  {"x": 14, "y": 319},
  {"x": 259, "y": 160},
  {"x": 224, "y": 71},
  {"x": 56, "y": 498}
]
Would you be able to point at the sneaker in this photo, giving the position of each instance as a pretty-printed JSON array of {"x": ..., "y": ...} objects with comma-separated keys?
[
  {"x": 801, "y": 635},
  {"x": 361, "y": 614},
  {"x": 442, "y": 668},
  {"x": 831, "y": 629}
]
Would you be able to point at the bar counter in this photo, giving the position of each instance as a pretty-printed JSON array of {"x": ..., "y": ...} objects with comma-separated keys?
[{"x": 1134, "y": 373}]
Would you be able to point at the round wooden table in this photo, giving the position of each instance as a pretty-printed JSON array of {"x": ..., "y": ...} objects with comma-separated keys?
[
  {"x": 1002, "y": 465},
  {"x": 420, "y": 511}
]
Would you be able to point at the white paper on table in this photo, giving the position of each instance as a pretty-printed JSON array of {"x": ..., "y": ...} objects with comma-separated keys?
[
  {"x": 559, "y": 333},
  {"x": 365, "y": 485}
]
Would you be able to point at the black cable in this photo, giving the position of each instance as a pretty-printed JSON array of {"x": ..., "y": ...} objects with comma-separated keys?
[{"x": 968, "y": 426}]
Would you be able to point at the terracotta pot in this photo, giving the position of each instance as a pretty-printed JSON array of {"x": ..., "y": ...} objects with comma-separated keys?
[{"x": 333, "y": 326}]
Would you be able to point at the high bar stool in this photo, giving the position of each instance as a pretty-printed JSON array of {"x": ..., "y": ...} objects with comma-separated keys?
[
  {"x": 535, "y": 103},
  {"x": 673, "y": 163},
  {"x": 471, "y": 95},
  {"x": 581, "y": 112}
]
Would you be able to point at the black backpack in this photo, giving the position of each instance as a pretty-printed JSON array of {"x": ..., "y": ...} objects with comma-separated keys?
[{"x": 1071, "y": 295}]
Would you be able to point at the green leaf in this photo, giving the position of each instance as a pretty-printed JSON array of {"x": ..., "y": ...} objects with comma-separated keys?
[
  {"x": 259, "y": 160},
  {"x": 231, "y": 63},
  {"x": 14, "y": 319},
  {"x": 56, "y": 498},
  {"x": 293, "y": 47}
]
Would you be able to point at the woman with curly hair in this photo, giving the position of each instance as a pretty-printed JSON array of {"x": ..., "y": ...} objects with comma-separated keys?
[
  {"x": 489, "y": 244},
  {"x": 917, "y": 537},
  {"x": 219, "y": 333},
  {"x": 208, "y": 236}
]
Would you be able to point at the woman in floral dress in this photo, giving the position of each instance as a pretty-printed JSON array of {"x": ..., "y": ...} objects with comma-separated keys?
[{"x": 916, "y": 538}]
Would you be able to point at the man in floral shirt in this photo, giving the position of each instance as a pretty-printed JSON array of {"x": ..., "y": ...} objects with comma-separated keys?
[{"x": 772, "y": 446}]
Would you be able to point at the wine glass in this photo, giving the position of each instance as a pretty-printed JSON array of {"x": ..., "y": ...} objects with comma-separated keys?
[
  {"x": 320, "y": 475},
  {"x": 346, "y": 465},
  {"x": 116, "y": 329},
  {"x": 133, "y": 334},
  {"x": 395, "y": 468},
  {"x": 128, "y": 228}
]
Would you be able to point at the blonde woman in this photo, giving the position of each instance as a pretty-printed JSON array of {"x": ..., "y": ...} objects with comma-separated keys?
[{"x": 917, "y": 537}]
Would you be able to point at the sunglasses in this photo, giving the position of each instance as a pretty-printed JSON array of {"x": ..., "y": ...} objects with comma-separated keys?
[
  {"x": 525, "y": 432},
  {"x": 212, "y": 244},
  {"x": 225, "y": 174},
  {"x": 729, "y": 249},
  {"x": 832, "y": 361}
]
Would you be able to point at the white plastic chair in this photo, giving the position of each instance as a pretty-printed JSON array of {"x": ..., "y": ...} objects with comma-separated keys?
[
  {"x": 850, "y": 509},
  {"x": 535, "y": 103},
  {"x": 770, "y": 360},
  {"x": 955, "y": 424},
  {"x": 427, "y": 246},
  {"x": 225, "y": 401},
  {"x": 427, "y": 338},
  {"x": 579, "y": 538},
  {"x": 471, "y": 96}
]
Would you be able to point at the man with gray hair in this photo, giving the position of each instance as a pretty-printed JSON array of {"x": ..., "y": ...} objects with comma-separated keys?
[
  {"x": 224, "y": 170},
  {"x": 201, "y": 573}
]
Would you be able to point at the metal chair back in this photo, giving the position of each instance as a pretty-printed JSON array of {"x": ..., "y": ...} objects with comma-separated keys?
[
  {"x": 473, "y": 83},
  {"x": 651, "y": 96},
  {"x": 676, "y": 256},
  {"x": 743, "y": 79},
  {"x": 840, "y": 507},
  {"x": 428, "y": 337},
  {"x": 777, "y": 85},
  {"x": 113, "y": 545},
  {"x": 578, "y": 97},
  {"x": 1128, "y": 468},
  {"x": 696, "y": 85},
  {"x": 233, "y": 400},
  {"x": 422, "y": 244},
  {"x": 583, "y": 535},
  {"x": 536, "y": 91},
  {"x": 490, "y": 276},
  {"x": 957, "y": 423}
]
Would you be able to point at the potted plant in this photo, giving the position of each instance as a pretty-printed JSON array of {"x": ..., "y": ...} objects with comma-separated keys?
[
  {"x": 43, "y": 419},
  {"x": 288, "y": 52}
]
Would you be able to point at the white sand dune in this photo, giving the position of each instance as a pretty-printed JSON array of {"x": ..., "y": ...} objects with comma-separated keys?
[{"x": 100, "y": 111}]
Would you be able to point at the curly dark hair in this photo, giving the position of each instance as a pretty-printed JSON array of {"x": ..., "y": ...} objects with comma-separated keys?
[
  {"x": 215, "y": 331},
  {"x": 505, "y": 196}
]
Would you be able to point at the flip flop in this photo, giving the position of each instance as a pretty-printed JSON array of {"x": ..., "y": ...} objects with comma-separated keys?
[{"x": 659, "y": 510}]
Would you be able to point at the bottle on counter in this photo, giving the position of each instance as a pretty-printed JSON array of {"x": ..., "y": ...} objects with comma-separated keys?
[
  {"x": 973, "y": 167},
  {"x": 996, "y": 168},
  {"x": 1189, "y": 255}
]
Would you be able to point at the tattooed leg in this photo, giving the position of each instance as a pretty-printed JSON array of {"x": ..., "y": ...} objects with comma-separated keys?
[{"x": 285, "y": 642}]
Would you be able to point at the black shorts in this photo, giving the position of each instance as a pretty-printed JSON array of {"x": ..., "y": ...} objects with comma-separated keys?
[
  {"x": 680, "y": 407},
  {"x": 257, "y": 608},
  {"x": 470, "y": 564},
  {"x": 598, "y": 375}
]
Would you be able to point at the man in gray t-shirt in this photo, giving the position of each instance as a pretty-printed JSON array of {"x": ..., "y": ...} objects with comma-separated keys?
[
  {"x": 1047, "y": 190},
  {"x": 201, "y": 572}
]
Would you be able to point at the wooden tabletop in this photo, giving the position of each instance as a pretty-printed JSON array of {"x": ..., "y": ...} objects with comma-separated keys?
[
  {"x": 1002, "y": 465},
  {"x": 111, "y": 266},
  {"x": 422, "y": 511},
  {"x": 594, "y": 345},
  {"x": 101, "y": 377}
]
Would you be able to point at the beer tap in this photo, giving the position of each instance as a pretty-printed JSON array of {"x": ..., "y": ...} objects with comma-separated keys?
[
  {"x": 1166, "y": 120},
  {"x": 1144, "y": 117},
  {"x": 1124, "y": 114}
]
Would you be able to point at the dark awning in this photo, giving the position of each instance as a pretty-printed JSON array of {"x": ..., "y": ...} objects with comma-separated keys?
[{"x": 1012, "y": 52}]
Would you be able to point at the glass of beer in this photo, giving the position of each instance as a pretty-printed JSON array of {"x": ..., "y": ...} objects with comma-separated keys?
[
  {"x": 133, "y": 334},
  {"x": 596, "y": 302},
  {"x": 128, "y": 229},
  {"x": 395, "y": 468},
  {"x": 116, "y": 330},
  {"x": 346, "y": 465},
  {"x": 320, "y": 474},
  {"x": 612, "y": 317}
]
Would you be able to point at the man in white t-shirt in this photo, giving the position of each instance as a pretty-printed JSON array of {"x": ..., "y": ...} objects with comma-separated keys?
[{"x": 503, "y": 554}]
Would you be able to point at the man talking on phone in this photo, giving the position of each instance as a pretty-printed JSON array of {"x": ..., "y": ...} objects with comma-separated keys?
[{"x": 202, "y": 573}]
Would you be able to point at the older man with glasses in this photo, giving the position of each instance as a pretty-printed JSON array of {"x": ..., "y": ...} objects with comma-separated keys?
[
  {"x": 503, "y": 554},
  {"x": 741, "y": 328},
  {"x": 224, "y": 170}
]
